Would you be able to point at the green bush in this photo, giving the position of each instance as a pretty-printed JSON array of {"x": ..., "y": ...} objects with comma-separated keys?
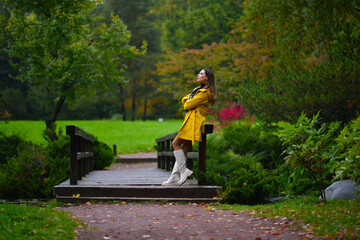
[
  {"x": 348, "y": 142},
  {"x": 246, "y": 161},
  {"x": 104, "y": 155},
  {"x": 310, "y": 147},
  {"x": 32, "y": 171},
  {"x": 8, "y": 146},
  {"x": 23, "y": 176},
  {"x": 250, "y": 187},
  {"x": 245, "y": 138},
  {"x": 57, "y": 163},
  {"x": 244, "y": 186}
]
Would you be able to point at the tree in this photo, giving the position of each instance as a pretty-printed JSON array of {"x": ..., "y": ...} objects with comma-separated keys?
[
  {"x": 283, "y": 58},
  {"x": 190, "y": 24},
  {"x": 136, "y": 15},
  {"x": 315, "y": 48},
  {"x": 232, "y": 62},
  {"x": 59, "y": 45}
]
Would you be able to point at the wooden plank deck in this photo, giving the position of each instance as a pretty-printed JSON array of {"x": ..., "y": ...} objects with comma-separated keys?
[{"x": 133, "y": 184}]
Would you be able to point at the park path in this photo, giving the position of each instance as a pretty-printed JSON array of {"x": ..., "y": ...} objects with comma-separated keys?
[
  {"x": 177, "y": 221},
  {"x": 166, "y": 220}
]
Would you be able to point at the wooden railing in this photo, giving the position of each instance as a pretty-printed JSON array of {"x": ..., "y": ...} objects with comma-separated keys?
[
  {"x": 81, "y": 153},
  {"x": 166, "y": 158}
]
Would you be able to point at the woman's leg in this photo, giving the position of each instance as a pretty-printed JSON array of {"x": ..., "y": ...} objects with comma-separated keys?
[
  {"x": 181, "y": 147},
  {"x": 179, "y": 143}
]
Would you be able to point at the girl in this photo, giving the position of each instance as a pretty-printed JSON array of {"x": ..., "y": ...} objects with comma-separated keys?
[{"x": 195, "y": 104}]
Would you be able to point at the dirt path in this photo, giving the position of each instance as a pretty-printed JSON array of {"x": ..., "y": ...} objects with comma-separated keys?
[{"x": 176, "y": 221}]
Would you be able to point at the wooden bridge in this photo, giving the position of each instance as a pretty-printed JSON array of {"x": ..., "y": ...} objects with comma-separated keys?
[{"x": 130, "y": 184}]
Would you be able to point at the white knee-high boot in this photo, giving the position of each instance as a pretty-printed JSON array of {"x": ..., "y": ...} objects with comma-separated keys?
[
  {"x": 184, "y": 172},
  {"x": 174, "y": 177}
]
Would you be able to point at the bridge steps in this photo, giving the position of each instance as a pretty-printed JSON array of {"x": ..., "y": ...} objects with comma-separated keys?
[{"x": 140, "y": 184}]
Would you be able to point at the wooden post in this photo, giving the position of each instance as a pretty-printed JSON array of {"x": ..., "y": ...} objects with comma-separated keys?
[
  {"x": 79, "y": 161},
  {"x": 114, "y": 150},
  {"x": 163, "y": 157},
  {"x": 73, "y": 160},
  {"x": 158, "y": 155},
  {"x": 168, "y": 158},
  {"x": 205, "y": 129},
  {"x": 202, "y": 153}
]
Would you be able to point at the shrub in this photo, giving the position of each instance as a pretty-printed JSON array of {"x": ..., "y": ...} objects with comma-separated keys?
[
  {"x": 23, "y": 176},
  {"x": 310, "y": 147},
  {"x": 57, "y": 163},
  {"x": 348, "y": 142},
  {"x": 245, "y": 138},
  {"x": 8, "y": 146},
  {"x": 250, "y": 187},
  {"x": 104, "y": 156},
  {"x": 244, "y": 186},
  {"x": 229, "y": 113},
  {"x": 32, "y": 171}
]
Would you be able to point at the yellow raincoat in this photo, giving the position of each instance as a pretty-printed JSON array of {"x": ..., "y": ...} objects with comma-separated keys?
[{"x": 195, "y": 117}]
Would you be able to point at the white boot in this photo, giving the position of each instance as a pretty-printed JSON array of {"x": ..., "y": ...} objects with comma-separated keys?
[
  {"x": 184, "y": 172},
  {"x": 174, "y": 177}
]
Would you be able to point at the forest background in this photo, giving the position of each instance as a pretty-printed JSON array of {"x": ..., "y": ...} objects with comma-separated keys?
[{"x": 277, "y": 59}]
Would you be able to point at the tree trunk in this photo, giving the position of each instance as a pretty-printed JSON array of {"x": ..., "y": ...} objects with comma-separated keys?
[
  {"x": 134, "y": 89},
  {"x": 122, "y": 102},
  {"x": 145, "y": 100},
  {"x": 50, "y": 131},
  {"x": 133, "y": 108}
]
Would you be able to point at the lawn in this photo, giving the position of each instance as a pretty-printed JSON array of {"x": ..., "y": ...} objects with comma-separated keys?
[
  {"x": 31, "y": 222},
  {"x": 129, "y": 136},
  {"x": 331, "y": 220}
]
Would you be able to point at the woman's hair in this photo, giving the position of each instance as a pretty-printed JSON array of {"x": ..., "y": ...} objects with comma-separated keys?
[{"x": 210, "y": 83}]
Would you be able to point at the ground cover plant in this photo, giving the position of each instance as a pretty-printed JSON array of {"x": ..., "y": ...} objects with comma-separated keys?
[
  {"x": 129, "y": 136},
  {"x": 32, "y": 222},
  {"x": 333, "y": 220}
]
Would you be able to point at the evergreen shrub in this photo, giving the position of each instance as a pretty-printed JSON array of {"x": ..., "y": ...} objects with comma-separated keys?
[
  {"x": 250, "y": 187},
  {"x": 235, "y": 161},
  {"x": 23, "y": 176},
  {"x": 104, "y": 155},
  {"x": 244, "y": 138},
  {"x": 32, "y": 171},
  {"x": 8, "y": 146}
]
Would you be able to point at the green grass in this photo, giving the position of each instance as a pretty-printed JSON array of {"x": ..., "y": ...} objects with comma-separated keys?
[
  {"x": 335, "y": 219},
  {"x": 129, "y": 137},
  {"x": 30, "y": 222}
]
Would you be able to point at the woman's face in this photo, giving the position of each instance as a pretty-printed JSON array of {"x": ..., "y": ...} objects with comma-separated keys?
[{"x": 201, "y": 77}]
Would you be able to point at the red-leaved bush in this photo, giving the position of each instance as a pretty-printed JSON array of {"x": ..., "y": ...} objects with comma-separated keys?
[{"x": 230, "y": 113}]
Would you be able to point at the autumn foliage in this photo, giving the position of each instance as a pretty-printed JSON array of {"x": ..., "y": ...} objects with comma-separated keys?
[{"x": 231, "y": 112}]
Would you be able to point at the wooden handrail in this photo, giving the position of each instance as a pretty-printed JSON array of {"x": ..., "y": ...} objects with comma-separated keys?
[
  {"x": 81, "y": 153},
  {"x": 166, "y": 156}
]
